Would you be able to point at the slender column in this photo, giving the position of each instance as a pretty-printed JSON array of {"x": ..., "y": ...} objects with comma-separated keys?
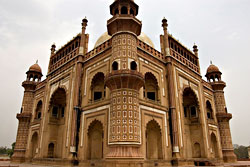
[
  {"x": 78, "y": 75},
  {"x": 171, "y": 88}
]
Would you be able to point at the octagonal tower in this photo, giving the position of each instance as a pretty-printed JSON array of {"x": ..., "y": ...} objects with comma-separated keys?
[
  {"x": 214, "y": 78},
  {"x": 124, "y": 80}
]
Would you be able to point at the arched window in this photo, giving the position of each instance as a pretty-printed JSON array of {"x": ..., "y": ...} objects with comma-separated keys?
[
  {"x": 212, "y": 78},
  {"x": 151, "y": 87},
  {"x": 36, "y": 78},
  {"x": 116, "y": 11},
  {"x": 98, "y": 87},
  {"x": 133, "y": 65},
  {"x": 114, "y": 66},
  {"x": 209, "y": 110},
  {"x": 30, "y": 78},
  {"x": 132, "y": 12},
  {"x": 217, "y": 78},
  {"x": 38, "y": 112},
  {"x": 153, "y": 141},
  {"x": 95, "y": 141},
  {"x": 51, "y": 148},
  {"x": 124, "y": 10}
]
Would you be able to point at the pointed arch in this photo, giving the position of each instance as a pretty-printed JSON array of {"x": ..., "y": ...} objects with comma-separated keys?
[
  {"x": 98, "y": 87},
  {"x": 151, "y": 87},
  {"x": 197, "y": 150},
  {"x": 38, "y": 111},
  {"x": 133, "y": 65},
  {"x": 115, "y": 66},
  {"x": 34, "y": 144},
  {"x": 192, "y": 124},
  {"x": 95, "y": 140},
  {"x": 124, "y": 10},
  {"x": 132, "y": 11},
  {"x": 153, "y": 140},
  {"x": 56, "y": 122},
  {"x": 51, "y": 150},
  {"x": 209, "y": 110},
  {"x": 190, "y": 103},
  {"x": 214, "y": 143},
  {"x": 58, "y": 103}
]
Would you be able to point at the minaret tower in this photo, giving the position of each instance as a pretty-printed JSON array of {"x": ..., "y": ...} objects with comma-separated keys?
[
  {"x": 34, "y": 75},
  {"x": 214, "y": 78},
  {"x": 124, "y": 80}
]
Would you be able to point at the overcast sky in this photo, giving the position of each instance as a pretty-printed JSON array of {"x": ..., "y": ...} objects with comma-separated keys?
[{"x": 220, "y": 28}]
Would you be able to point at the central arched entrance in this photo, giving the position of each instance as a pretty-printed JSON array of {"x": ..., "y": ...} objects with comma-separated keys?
[
  {"x": 192, "y": 125},
  {"x": 57, "y": 132}
]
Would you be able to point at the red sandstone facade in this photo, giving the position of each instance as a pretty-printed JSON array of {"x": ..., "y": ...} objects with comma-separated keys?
[{"x": 124, "y": 103}]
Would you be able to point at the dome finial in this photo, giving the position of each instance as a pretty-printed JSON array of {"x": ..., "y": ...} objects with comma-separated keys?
[
  {"x": 164, "y": 22},
  {"x": 84, "y": 22},
  {"x": 36, "y": 61},
  {"x": 211, "y": 62}
]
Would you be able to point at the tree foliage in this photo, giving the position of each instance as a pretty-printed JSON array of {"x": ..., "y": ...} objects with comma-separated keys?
[
  {"x": 7, "y": 151},
  {"x": 241, "y": 152},
  {"x": 4, "y": 150}
]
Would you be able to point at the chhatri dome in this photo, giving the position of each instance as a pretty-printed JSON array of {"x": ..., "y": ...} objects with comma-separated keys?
[
  {"x": 143, "y": 37},
  {"x": 35, "y": 68},
  {"x": 212, "y": 68}
]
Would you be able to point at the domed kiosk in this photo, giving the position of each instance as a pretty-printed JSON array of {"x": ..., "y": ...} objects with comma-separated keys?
[{"x": 34, "y": 73}]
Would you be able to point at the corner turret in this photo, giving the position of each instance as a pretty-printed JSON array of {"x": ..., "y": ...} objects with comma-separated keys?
[
  {"x": 34, "y": 75},
  {"x": 214, "y": 78}
]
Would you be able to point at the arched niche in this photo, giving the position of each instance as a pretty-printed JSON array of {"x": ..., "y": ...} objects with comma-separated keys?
[
  {"x": 209, "y": 110},
  {"x": 115, "y": 66},
  {"x": 153, "y": 141},
  {"x": 56, "y": 125},
  {"x": 38, "y": 112},
  {"x": 193, "y": 140},
  {"x": 190, "y": 104},
  {"x": 95, "y": 141},
  {"x": 151, "y": 87},
  {"x": 51, "y": 150},
  {"x": 34, "y": 144},
  {"x": 197, "y": 150},
  {"x": 133, "y": 65},
  {"x": 214, "y": 144},
  {"x": 58, "y": 104},
  {"x": 98, "y": 87}
]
